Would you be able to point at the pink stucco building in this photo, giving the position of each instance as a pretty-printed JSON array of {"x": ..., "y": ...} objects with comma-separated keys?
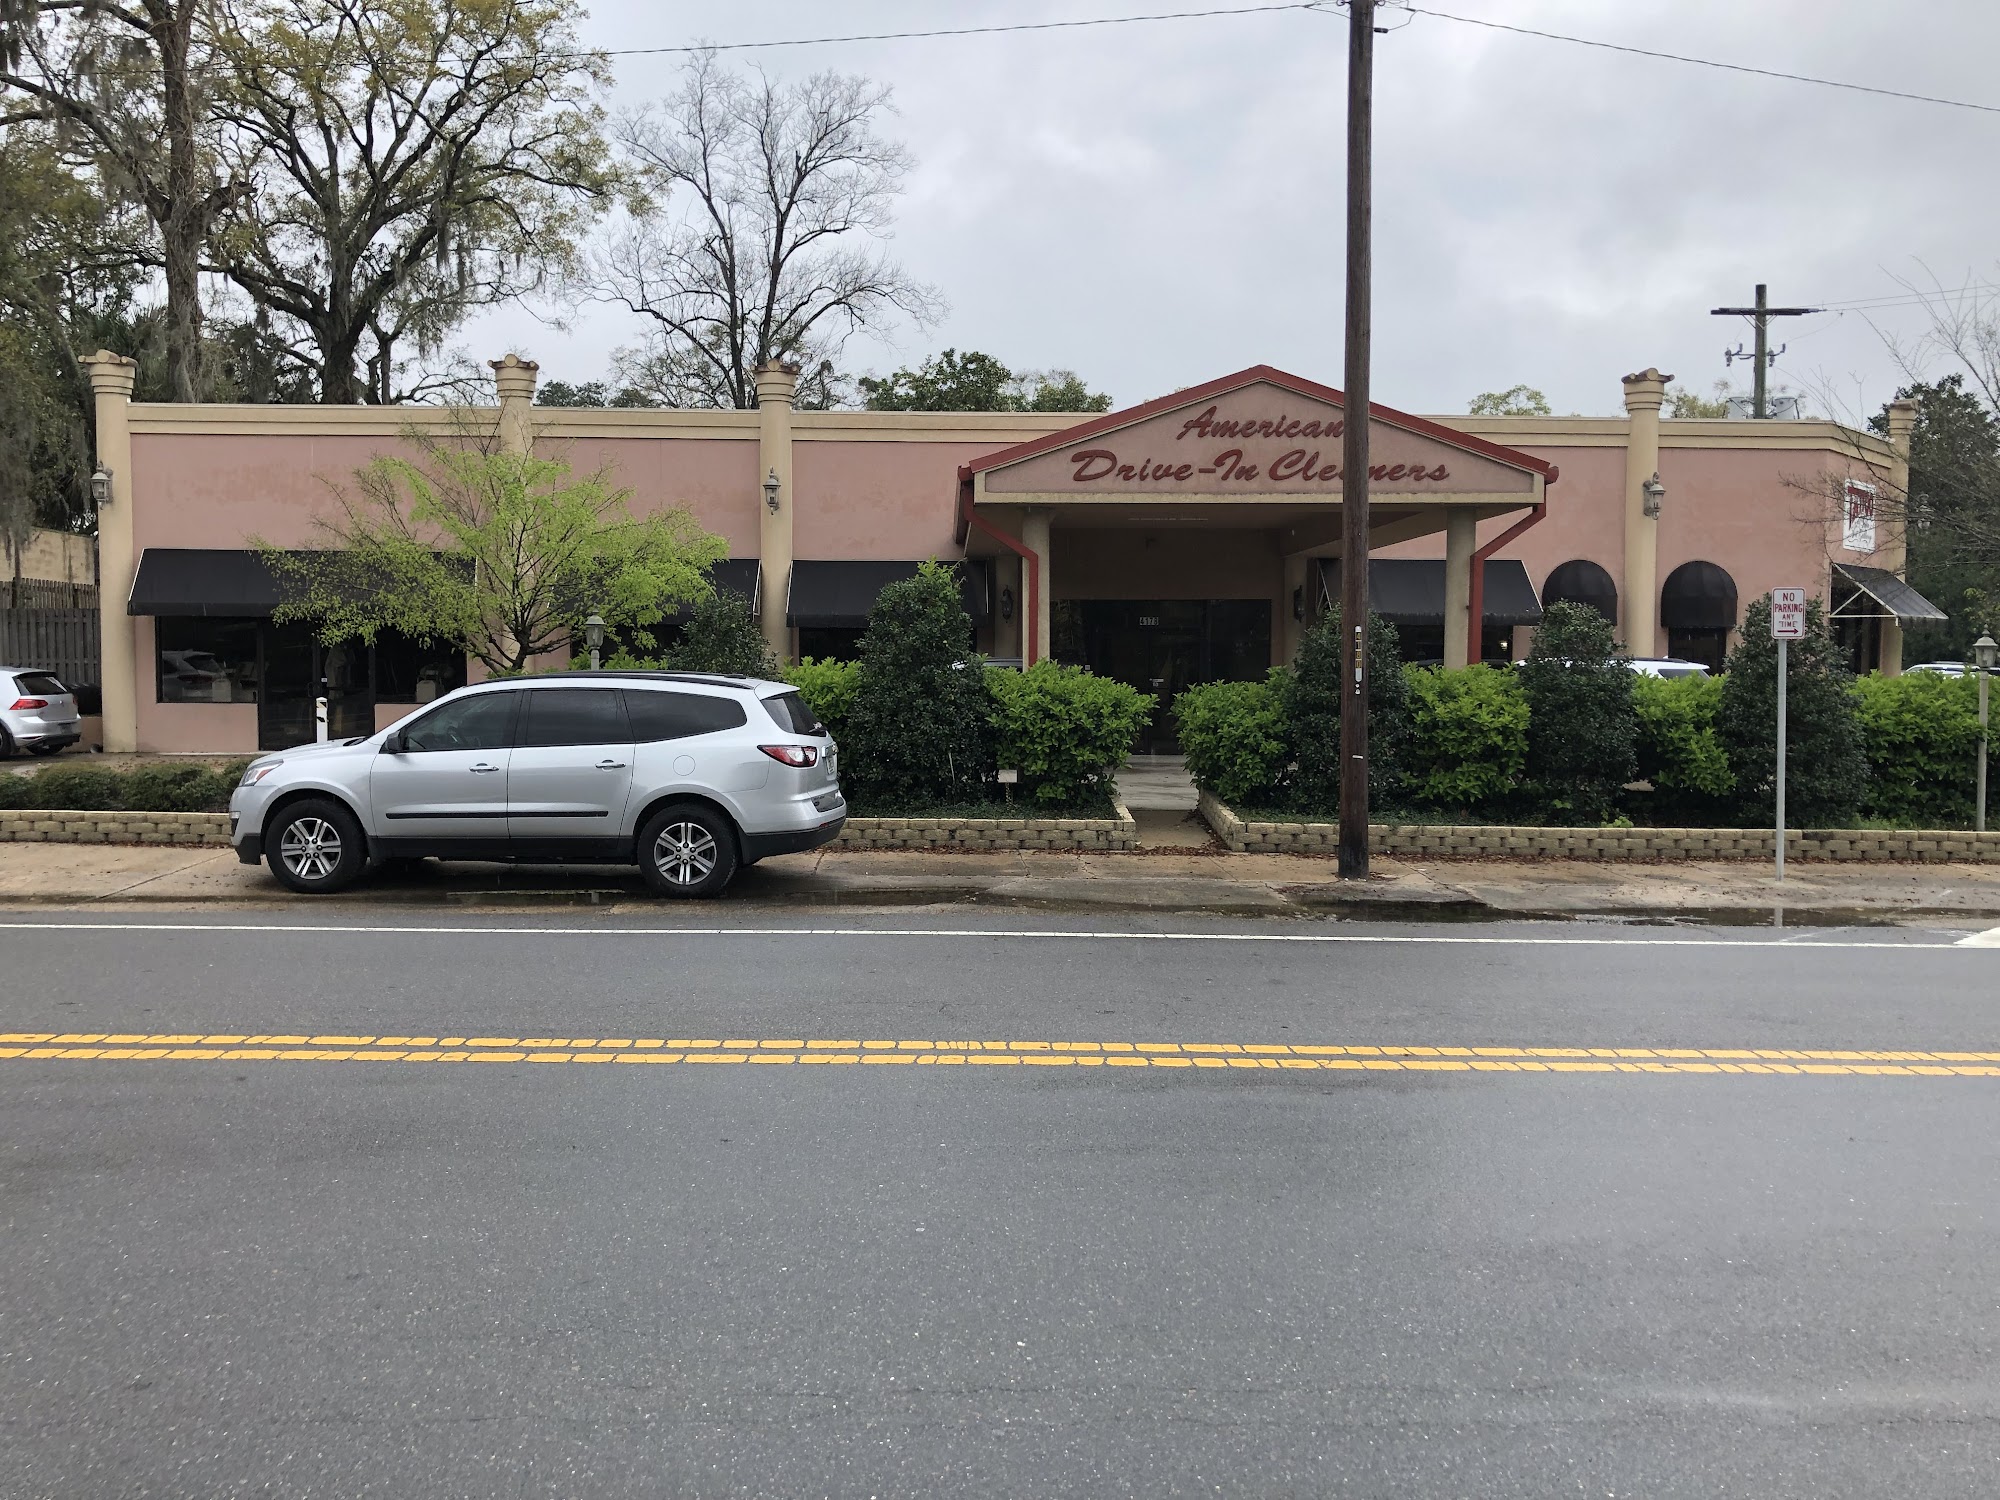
[{"x": 1184, "y": 539}]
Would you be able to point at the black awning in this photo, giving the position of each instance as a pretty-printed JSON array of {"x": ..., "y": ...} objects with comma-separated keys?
[
  {"x": 198, "y": 581},
  {"x": 1410, "y": 590},
  {"x": 840, "y": 594},
  {"x": 1698, "y": 596},
  {"x": 1582, "y": 582},
  {"x": 1889, "y": 596},
  {"x": 742, "y": 576}
]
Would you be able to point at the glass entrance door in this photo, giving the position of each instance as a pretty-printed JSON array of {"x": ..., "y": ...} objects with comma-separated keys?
[
  {"x": 297, "y": 671},
  {"x": 1164, "y": 646}
]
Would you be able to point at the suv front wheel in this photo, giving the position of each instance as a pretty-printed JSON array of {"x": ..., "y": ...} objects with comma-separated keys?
[
  {"x": 687, "y": 850},
  {"x": 315, "y": 846}
]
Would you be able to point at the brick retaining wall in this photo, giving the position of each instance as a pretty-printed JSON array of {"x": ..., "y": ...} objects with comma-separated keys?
[
  {"x": 1444, "y": 841},
  {"x": 30, "y": 826}
]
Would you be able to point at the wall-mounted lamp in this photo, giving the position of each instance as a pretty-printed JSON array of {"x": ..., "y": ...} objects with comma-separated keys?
[
  {"x": 771, "y": 492},
  {"x": 593, "y": 637},
  {"x": 100, "y": 487},
  {"x": 1299, "y": 603},
  {"x": 1654, "y": 492},
  {"x": 1006, "y": 604}
]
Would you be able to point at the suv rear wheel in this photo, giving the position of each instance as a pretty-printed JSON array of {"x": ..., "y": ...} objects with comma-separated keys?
[
  {"x": 688, "y": 850},
  {"x": 315, "y": 846}
]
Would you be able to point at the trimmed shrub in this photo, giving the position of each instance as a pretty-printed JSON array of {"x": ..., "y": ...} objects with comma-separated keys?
[
  {"x": 1921, "y": 736},
  {"x": 828, "y": 688},
  {"x": 84, "y": 789},
  {"x": 918, "y": 725},
  {"x": 1469, "y": 736},
  {"x": 1065, "y": 730},
  {"x": 1233, "y": 736},
  {"x": 157, "y": 788},
  {"x": 722, "y": 635},
  {"x": 176, "y": 789},
  {"x": 1680, "y": 752},
  {"x": 1580, "y": 721},
  {"x": 1826, "y": 769},
  {"x": 1312, "y": 715}
]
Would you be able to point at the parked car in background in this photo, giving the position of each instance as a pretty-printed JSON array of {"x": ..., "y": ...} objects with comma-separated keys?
[
  {"x": 689, "y": 775},
  {"x": 1942, "y": 668},
  {"x": 1667, "y": 666},
  {"x": 37, "y": 713}
]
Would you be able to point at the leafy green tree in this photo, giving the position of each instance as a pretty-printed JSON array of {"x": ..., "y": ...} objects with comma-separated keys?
[
  {"x": 406, "y": 161},
  {"x": 1826, "y": 767},
  {"x": 502, "y": 555},
  {"x": 1312, "y": 714},
  {"x": 1581, "y": 726},
  {"x": 978, "y": 382},
  {"x": 1682, "y": 402},
  {"x": 1515, "y": 401},
  {"x": 722, "y": 635},
  {"x": 918, "y": 731},
  {"x": 594, "y": 393}
]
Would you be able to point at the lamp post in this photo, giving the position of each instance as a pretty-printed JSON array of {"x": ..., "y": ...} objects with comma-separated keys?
[
  {"x": 593, "y": 637},
  {"x": 1986, "y": 654}
]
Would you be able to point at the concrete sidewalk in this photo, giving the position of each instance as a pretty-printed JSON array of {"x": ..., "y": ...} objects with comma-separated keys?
[{"x": 1238, "y": 884}]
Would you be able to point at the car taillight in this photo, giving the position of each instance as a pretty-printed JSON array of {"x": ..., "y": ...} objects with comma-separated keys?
[
  {"x": 44, "y": 703},
  {"x": 792, "y": 755}
]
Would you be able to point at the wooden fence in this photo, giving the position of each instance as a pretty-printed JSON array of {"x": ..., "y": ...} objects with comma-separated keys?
[{"x": 62, "y": 641}]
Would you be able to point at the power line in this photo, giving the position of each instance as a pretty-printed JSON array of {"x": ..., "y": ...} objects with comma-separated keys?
[
  {"x": 1708, "y": 62},
  {"x": 901, "y": 36}
]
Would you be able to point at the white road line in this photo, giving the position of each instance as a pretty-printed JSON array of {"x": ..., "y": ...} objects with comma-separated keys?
[{"x": 1493, "y": 940}]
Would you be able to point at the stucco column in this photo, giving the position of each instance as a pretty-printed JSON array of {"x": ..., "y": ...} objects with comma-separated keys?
[
  {"x": 111, "y": 377},
  {"x": 1461, "y": 528},
  {"x": 777, "y": 385},
  {"x": 514, "y": 379},
  {"x": 1007, "y": 580},
  {"x": 1035, "y": 537},
  {"x": 1645, "y": 394},
  {"x": 1894, "y": 554},
  {"x": 1294, "y": 568}
]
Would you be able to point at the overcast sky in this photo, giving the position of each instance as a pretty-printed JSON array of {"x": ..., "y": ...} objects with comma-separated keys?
[{"x": 1157, "y": 204}]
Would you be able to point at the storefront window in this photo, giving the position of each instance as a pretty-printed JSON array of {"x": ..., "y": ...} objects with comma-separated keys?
[
  {"x": 207, "y": 660},
  {"x": 413, "y": 671}
]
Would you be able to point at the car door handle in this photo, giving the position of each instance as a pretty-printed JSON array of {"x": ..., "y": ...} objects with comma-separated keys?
[
  {"x": 611, "y": 765},
  {"x": 482, "y": 768}
]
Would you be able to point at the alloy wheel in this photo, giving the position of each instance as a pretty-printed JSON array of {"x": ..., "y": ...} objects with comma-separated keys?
[
  {"x": 310, "y": 848},
  {"x": 685, "y": 853}
]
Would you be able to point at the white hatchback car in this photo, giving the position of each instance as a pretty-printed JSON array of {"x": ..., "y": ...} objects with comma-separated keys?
[
  {"x": 37, "y": 713},
  {"x": 688, "y": 775}
]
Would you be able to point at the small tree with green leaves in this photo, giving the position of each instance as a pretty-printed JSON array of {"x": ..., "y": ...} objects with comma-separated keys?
[
  {"x": 723, "y": 636},
  {"x": 502, "y": 555},
  {"x": 917, "y": 735},
  {"x": 1826, "y": 765},
  {"x": 1581, "y": 723},
  {"x": 1515, "y": 401},
  {"x": 1312, "y": 714}
]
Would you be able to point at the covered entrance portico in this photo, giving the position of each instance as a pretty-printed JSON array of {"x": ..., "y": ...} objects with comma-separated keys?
[{"x": 1179, "y": 541}]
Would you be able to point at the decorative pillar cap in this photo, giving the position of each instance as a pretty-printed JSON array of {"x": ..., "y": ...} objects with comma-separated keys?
[
  {"x": 1646, "y": 391},
  {"x": 514, "y": 377},
  {"x": 777, "y": 383},
  {"x": 1902, "y": 420},
  {"x": 110, "y": 374}
]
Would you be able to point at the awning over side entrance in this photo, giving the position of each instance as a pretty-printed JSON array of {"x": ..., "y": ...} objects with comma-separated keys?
[
  {"x": 1879, "y": 594},
  {"x": 741, "y": 576},
  {"x": 1410, "y": 590},
  {"x": 826, "y": 594}
]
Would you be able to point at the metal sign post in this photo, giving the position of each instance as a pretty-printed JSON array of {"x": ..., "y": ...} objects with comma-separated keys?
[{"x": 1788, "y": 624}]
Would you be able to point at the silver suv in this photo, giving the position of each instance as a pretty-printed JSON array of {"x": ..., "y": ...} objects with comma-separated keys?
[
  {"x": 691, "y": 776},
  {"x": 37, "y": 713}
]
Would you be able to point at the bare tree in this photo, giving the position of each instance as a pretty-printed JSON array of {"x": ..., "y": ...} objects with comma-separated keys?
[
  {"x": 760, "y": 239},
  {"x": 125, "y": 82},
  {"x": 421, "y": 158}
]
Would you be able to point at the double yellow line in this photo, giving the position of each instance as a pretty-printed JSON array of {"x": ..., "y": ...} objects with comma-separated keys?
[{"x": 1241, "y": 1056}]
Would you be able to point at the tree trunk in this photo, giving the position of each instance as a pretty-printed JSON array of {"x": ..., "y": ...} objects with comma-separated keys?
[{"x": 183, "y": 230}]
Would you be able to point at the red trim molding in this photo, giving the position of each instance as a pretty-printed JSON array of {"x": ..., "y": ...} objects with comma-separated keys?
[{"x": 1475, "y": 652}]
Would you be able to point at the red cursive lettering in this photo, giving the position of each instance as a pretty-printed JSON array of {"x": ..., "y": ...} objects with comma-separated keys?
[{"x": 1084, "y": 472}]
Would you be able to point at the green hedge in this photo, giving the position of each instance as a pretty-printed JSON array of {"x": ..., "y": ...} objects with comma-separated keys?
[
  {"x": 828, "y": 688},
  {"x": 1065, "y": 730},
  {"x": 1233, "y": 736},
  {"x": 168, "y": 788},
  {"x": 1680, "y": 753},
  {"x": 1469, "y": 736},
  {"x": 1921, "y": 736}
]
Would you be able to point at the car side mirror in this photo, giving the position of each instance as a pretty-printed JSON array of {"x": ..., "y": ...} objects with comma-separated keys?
[{"x": 393, "y": 744}]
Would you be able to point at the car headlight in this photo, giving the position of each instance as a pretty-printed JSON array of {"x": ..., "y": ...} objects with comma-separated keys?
[{"x": 256, "y": 771}]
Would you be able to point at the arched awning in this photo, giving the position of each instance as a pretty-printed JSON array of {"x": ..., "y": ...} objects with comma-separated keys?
[
  {"x": 1698, "y": 596},
  {"x": 1582, "y": 582}
]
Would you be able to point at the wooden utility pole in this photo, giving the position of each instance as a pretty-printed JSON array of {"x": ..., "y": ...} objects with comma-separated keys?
[
  {"x": 1354, "y": 453},
  {"x": 1760, "y": 317}
]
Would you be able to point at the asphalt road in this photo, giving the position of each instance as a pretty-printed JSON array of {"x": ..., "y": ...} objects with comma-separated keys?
[{"x": 1561, "y": 1237}]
